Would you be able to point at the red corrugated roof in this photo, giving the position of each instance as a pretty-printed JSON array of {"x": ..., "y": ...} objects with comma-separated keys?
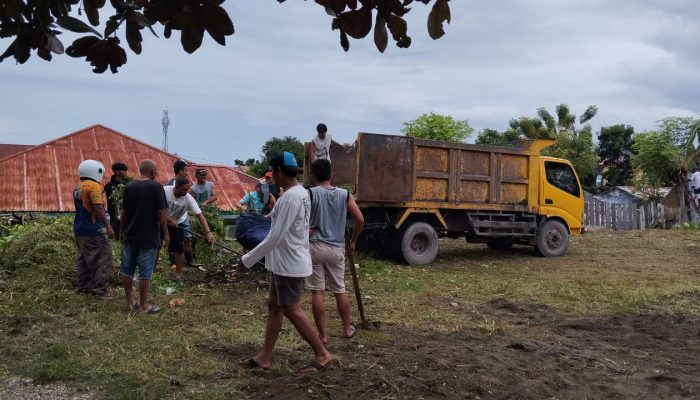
[
  {"x": 42, "y": 178},
  {"x": 7, "y": 150}
]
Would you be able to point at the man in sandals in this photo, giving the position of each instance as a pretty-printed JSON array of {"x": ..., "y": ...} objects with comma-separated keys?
[
  {"x": 329, "y": 208},
  {"x": 143, "y": 214},
  {"x": 286, "y": 252}
]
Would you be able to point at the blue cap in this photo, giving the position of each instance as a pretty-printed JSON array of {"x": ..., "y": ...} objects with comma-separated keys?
[{"x": 285, "y": 160}]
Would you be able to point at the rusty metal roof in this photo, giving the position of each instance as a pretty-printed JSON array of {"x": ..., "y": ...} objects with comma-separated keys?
[
  {"x": 42, "y": 178},
  {"x": 7, "y": 150}
]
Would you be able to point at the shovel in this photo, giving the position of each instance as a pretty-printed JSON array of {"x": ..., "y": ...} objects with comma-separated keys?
[
  {"x": 364, "y": 324},
  {"x": 220, "y": 245}
]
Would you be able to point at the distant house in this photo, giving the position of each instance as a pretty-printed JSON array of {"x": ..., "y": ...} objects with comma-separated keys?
[
  {"x": 628, "y": 194},
  {"x": 7, "y": 150},
  {"x": 42, "y": 177}
]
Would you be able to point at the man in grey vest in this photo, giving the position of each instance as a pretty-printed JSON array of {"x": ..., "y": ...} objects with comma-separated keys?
[
  {"x": 203, "y": 190},
  {"x": 329, "y": 209}
]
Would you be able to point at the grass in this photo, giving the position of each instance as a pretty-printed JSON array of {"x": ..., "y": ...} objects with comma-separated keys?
[{"x": 50, "y": 334}]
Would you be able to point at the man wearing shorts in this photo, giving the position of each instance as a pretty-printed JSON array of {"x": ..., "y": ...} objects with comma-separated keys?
[
  {"x": 143, "y": 223},
  {"x": 179, "y": 203},
  {"x": 286, "y": 252},
  {"x": 329, "y": 208}
]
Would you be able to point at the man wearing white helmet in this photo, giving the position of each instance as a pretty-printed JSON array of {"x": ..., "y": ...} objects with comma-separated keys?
[{"x": 89, "y": 227}]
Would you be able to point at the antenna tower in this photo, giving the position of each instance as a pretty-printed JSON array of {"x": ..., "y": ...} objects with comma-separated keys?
[{"x": 165, "y": 121}]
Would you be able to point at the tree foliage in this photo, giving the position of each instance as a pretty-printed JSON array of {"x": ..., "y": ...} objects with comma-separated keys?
[
  {"x": 573, "y": 143},
  {"x": 616, "y": 149},
  {"x": 657, "y": 160},
  {"x": 664, "y": 155},
  {"x": 438, "y": 127},
  {"x": 273, "y": 147},
  {"x": 36, "y": 24}
]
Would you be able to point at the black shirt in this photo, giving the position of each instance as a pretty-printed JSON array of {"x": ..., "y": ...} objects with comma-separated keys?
[
  {"x": 109, "y": 188},
  {"x": 142, "y": 201}
]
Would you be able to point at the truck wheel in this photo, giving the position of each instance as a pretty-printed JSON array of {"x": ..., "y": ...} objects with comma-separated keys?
[
  {"x": 552, "y": 239},
  {"x": 499, "y": 244},
  {"x": 417, "y": 243}
]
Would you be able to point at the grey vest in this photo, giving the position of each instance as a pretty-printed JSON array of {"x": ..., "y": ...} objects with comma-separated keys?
[{"x": 329, "y": 208}]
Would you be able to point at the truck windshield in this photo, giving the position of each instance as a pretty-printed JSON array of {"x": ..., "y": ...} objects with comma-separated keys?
[{"x": 562, "y": 177}]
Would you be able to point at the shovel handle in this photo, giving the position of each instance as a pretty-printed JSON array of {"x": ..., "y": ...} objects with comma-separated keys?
[{"x": 356, "y": 286}]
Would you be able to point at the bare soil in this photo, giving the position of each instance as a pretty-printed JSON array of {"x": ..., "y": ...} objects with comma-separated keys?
[
  {"x": 647, "y": 355},
  {"x": 622, "y": 357}
]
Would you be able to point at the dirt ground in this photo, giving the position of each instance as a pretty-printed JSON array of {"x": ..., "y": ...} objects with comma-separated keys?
[
  {"x": 648, "y": 355},
  {"x": 629, "y": 357}
]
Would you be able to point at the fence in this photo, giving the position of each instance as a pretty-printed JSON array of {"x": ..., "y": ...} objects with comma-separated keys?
[{"x": 627, "y": 216}]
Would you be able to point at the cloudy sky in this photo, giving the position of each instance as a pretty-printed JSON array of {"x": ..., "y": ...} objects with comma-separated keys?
[{"x": 284, "y": 71}]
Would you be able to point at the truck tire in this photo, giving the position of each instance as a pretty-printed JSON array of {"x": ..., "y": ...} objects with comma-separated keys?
[
  {"x": 499, "y": 244},
  {"x": 552, "y": 239},
  {"x": 417, "y": 243}
]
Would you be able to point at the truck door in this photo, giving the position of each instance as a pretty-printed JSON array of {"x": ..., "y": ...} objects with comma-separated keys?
[{"x": 562, "y": 194}]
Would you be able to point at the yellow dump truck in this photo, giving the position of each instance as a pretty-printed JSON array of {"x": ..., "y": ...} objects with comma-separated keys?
[{"x": 413, "y": 191}]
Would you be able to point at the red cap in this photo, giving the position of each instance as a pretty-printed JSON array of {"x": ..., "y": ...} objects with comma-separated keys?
[{"x": 268, "y": 174}]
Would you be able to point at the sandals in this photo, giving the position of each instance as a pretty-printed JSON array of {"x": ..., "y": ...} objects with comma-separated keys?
[{"x": 314, "y": 367}]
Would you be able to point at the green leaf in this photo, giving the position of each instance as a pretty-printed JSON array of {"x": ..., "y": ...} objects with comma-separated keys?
[
  {"x": 439, "y": 14},
  {"x": 381, "y": 37},
  {"x": 217, "y": 23},
  {"x": 93, "y": 15},
  {"x": 54, "y": 44},
  {"x": 111, "y": 26},
  {"x": 357, "y": 23},
  {"x": 191, "y": 37},
  {"x": 344, "y": 42},
  {"x": 133, "y": 36},
  {"x": 82, "y": 46},
  {"x": 75, "y": 25},
  {"x": 397, "y": 26}
]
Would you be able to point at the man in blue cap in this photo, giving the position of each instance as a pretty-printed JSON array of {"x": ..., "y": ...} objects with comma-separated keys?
[{"x": 286, "y": 253}]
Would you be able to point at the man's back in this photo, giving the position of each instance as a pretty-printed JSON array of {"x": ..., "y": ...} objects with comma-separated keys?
[
  {"x": 142, "y": 201},
  {"x": 329, "y": 209}
]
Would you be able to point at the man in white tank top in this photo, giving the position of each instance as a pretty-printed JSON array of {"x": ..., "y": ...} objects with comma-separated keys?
[{"x": 321, "y": 144}]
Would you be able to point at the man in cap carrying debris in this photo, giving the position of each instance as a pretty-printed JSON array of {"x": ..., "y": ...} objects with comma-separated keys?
[
  {"x": 89, "y": 227},
  {"x": 286, "y": 252},
  {"x": 179, "y": 203}
]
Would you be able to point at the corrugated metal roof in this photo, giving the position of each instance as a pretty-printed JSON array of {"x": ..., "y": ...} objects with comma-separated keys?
[
  {"x": 42, "y": 178},
  {"x": 7, "y": 150}
]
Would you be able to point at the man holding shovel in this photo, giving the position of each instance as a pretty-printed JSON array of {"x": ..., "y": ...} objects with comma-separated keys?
[
  {"x": 329, "y": 208},
  {"x": 286, "y": 252}
]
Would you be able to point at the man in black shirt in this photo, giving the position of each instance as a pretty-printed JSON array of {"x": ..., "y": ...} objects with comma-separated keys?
[
  {"x": 143, "y": 216},
  {"x": 119, "y": 169}
]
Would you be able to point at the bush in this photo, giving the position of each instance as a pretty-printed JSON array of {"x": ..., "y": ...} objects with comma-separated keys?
[{"x": 46, "y": 246}]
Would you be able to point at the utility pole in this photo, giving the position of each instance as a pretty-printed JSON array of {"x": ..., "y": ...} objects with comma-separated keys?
[{"x": 165, "y": 121}]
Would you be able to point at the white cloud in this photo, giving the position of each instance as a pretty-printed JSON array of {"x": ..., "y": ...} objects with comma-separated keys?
[{"x": 284, "y": 71}]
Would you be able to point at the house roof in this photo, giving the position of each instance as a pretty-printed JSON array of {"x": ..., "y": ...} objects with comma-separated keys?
[
  {"x": 633, "y": 192},
  {"x": 42, "y": 177},
  {"x": 7, "y": 150}
]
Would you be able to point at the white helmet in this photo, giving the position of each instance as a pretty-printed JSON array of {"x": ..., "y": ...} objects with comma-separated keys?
[{"x": 91, "y": 169}]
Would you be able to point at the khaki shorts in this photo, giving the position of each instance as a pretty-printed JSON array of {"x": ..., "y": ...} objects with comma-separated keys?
[{"x": 328, "y": 268}]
